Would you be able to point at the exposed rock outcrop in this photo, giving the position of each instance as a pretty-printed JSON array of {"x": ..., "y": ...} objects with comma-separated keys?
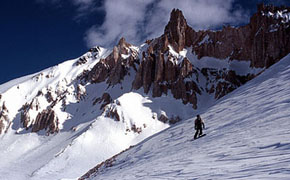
[
  {"x": 81, "y": 92},
  {"x": 105, "y": 100},
  {"x": 4, "y": 119},
  {"x": 162, "y": 71},
  {"x": 47, "y": 120},
  {"x": 40, "y": 113},
  {"x": 174, "y": 119},
  {"x": 93, "y": 52},
  {"x": 102, "y": 166},
  {"x": 115, "y": 66},
  {"x": 264, "y": 41},
  {"x": 112, "y": 112}
]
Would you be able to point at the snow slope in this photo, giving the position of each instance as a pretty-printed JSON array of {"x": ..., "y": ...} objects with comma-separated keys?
[
  {"x": 87, "y": 133},
  {"x": 104, "y": 138},
  {"x": 86, "y": 136},
  {"x": 248, "y": 137}
]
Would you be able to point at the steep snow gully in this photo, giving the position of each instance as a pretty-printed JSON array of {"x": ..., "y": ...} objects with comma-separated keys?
[{"x": 247, "y": 138}]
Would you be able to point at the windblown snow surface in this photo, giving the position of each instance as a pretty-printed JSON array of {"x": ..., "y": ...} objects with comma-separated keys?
[{"x": 248, "y": 137}]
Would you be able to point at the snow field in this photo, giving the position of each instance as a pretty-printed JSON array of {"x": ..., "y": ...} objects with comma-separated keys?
[
  {"x": 104, "y": 138},
  {"x": 247, "y": 138}
]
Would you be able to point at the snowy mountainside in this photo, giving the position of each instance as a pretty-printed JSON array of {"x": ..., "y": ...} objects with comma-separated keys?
[
  {"x": 55, "y": 80},
  {"x": 65, "y": 124},
  {"x": 62, "y": 121},
  {"x": 247, "y": 138},
  {"x": 103, "y": 139},
  {"x": 82, "y": 118},
  {"x": 64, "y": 127}
]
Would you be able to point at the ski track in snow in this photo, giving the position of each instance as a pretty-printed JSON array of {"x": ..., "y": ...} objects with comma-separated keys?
[{"x": 248, "y": 137}]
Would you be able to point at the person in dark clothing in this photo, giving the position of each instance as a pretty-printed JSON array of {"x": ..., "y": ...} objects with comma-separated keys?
[{"x": 198, "y": 126}]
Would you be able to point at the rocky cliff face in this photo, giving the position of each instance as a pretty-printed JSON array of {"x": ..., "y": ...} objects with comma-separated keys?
[
  {"x": 161, "y": 68},
  {"x": 264, "y": 41},
  {"x": 248, "y": 43}
]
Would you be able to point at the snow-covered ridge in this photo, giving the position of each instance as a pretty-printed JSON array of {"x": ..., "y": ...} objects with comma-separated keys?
[
  {"x": 66, "y": 69},
  {"x": 56, "y": 79}
]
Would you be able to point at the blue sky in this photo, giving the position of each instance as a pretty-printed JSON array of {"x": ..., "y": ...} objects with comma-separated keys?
[{"x": 37, "y": 34}]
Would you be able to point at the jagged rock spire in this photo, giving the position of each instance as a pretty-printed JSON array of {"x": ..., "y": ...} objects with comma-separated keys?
[
  {"x": 121, "y": 48},
  {"x": 122, "y": 43},
  {"x": 176, "y": 30}
]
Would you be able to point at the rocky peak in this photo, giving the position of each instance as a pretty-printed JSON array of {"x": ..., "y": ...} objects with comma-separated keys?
[
  {"x": 175, "y": 30},
  {"x": 159, "y": 71},
  {"x": 122, "y": 44},
  {"x": 271, "y": 8},
  {"x": 115, "y": 66},
  {"x": 121, "y": 48}
]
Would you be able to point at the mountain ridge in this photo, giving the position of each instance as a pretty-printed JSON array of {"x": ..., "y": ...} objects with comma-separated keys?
[{"x": 171, "y": 78}]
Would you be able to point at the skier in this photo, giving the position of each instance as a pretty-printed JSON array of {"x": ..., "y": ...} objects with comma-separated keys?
[{"x": 198, "y": 126}]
